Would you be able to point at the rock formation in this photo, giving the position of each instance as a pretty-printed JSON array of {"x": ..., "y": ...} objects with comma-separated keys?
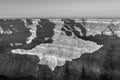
[{"x": 59, "y": 49}]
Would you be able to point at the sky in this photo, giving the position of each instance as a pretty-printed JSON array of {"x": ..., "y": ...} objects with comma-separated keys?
[{"x": 59, "y": 8}]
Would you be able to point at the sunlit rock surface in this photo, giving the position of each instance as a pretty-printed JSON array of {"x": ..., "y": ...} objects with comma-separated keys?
[
  {"x": 63, "y": 47},
  {"x": 60, "y": 49}
]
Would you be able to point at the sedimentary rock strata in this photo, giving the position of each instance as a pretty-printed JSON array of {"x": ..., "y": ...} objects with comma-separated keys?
[{"x": 63, "y": 47}]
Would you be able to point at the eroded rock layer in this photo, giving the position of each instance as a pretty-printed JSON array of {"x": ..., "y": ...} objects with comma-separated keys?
[{"x": 60, "y": 49}]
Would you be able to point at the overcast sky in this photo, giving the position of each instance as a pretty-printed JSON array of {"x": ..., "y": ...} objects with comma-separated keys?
[{"x": 59, "y": 8}]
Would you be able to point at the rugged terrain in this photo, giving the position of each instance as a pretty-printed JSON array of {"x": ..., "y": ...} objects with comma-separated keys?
[{"x": 60, "y": 49}]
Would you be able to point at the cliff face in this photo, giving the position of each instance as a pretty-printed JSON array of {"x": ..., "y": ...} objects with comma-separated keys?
[{"x": 59, "y": 49}]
